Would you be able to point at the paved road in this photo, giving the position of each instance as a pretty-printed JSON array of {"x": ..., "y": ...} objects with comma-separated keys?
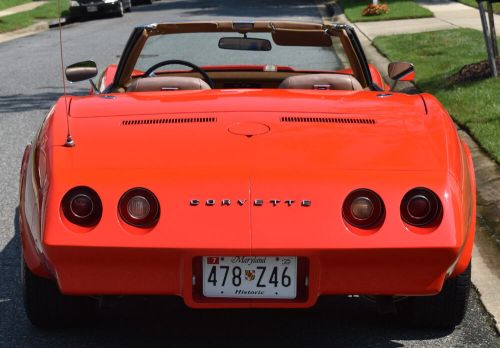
[{"x": 29, "y": 84}]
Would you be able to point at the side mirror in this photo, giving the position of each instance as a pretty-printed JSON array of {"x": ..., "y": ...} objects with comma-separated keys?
[
  {"x": 81, "y": 71},
  {"x": 401, "y": 71}
]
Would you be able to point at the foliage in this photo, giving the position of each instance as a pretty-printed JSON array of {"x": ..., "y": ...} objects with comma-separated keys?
[{"x": 375, "y": 10}]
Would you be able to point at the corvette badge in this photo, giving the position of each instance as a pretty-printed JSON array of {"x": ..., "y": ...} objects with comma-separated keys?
[{"x": 255, "y": 202}]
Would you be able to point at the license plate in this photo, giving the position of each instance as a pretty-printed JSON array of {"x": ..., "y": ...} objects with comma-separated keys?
[
  {"x": 91, "y": 8},
  {"x": 250, "y": 276}
]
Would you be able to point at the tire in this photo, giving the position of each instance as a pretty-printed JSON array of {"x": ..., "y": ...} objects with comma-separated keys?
[
  {"x": 46, "y": 307},
  {"x": 444, "y": 310},
  {"x": 120, "y": 11}
]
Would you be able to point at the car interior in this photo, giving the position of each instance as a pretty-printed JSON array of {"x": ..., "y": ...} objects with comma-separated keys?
[{"x": 229, "y": 80}]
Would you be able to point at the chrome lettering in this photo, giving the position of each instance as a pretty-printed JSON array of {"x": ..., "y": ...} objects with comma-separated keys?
[{"x": 257, "y": 202}]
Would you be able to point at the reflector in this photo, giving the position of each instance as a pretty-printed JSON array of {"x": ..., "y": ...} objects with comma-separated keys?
[
  {"x": 82, "y": 206},
  {"x": 363, "y": 208},
  {"x": 139, "y": 207},
  {"x": 421, "y": 207}
]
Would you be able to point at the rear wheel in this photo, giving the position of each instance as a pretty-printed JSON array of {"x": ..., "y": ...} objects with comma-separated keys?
[
  {"x": 120, "y": 11},
  {"x": 444, "y": 310},
  {"x": 46, "y": 307}
]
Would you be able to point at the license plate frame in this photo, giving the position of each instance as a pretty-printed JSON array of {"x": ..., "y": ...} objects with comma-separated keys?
[{"x": 92, "y": 9}]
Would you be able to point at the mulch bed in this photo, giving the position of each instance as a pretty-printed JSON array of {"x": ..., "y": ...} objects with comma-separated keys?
[{"x": 472, "y": 72}]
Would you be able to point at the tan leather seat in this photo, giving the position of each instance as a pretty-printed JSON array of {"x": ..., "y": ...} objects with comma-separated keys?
[
  {"x": 167, "y": 83},
  {"x": 322, "y": 82}
]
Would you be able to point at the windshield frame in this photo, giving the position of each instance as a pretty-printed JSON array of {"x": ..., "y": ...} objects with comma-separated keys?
[{"x": 140, "y": 34}]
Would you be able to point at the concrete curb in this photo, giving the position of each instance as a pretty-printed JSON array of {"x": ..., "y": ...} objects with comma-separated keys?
[
  {"x": 55, "y": 23},
  {"x": 31, "y": 30},
  {"x": 486, "y": 260}
]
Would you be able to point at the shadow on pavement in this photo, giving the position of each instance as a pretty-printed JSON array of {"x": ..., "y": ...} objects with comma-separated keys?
[
  {"x": 14, "y": 103},
  {"x": 27, "y": 102},
  {"x": 156, "y": 321}
]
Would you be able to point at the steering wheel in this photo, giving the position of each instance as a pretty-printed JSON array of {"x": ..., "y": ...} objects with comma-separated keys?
[{"x": 196, "y": 68}]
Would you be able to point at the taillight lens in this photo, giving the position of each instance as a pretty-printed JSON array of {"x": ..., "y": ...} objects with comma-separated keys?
[
  {"x": 82, "y": 206},
  {"x": 363, "y": 208},
  {"x": 139, "y": 207},
  {"x": 421, "y": 207}
]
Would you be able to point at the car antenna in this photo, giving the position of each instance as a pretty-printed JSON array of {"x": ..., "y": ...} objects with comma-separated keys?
[{"x": 69, "y": 139}]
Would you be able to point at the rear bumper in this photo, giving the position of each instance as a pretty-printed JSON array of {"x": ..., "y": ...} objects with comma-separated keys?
[
  {"x": 146, "y": 271},
  {"x": 102, "y": 9}
]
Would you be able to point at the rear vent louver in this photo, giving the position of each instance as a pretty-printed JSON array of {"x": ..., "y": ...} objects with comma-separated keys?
[
  {"x": 345, "y": 120},
  {"x": 169, "y": 121}
]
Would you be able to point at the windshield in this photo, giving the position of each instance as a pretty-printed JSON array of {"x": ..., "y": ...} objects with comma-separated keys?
[{"x": 203, "y": 50}]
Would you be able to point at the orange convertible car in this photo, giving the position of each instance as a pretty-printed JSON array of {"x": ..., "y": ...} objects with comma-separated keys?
[{"x": 289, "y": 172}]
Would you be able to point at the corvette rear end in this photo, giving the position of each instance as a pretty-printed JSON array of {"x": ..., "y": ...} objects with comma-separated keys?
[{"x": 248, "y": 197}]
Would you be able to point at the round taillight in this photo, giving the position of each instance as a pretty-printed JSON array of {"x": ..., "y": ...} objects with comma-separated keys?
[
  {"x": 139, "y": 207},
  {"x": 82, "y": 206},
  {"x": 421, "y": 207},
  {"x": 363, "y": 208}
]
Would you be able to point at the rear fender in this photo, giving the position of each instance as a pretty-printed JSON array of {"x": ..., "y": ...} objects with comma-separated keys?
[
  {"x": 469, "y": 209},
  {"x": 32, "y": 257}
]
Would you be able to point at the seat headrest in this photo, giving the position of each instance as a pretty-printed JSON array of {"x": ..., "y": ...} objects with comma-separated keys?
[
  {"x": 167, "y": 83},
  {"x": 322, "y": 82}
]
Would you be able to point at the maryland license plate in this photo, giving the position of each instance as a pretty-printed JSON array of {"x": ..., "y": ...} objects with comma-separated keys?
[{"x": 250, "y": 277}]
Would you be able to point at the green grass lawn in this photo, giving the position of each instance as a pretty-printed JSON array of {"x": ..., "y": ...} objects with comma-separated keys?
[
  {"x": 437, "y": 55},
  {"x": 398, "y": 9},
  {"x": 11, "y": 3},
  {"x": 24, "y": 19},
  {"x": 473, "y": 3}
]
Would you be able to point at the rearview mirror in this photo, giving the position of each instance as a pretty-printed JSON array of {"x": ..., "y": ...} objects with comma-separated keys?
[
  {"x": 401, "y": 71},
  {"x": 244, "y": 44},
  {"x": 81, "y": 71}
]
